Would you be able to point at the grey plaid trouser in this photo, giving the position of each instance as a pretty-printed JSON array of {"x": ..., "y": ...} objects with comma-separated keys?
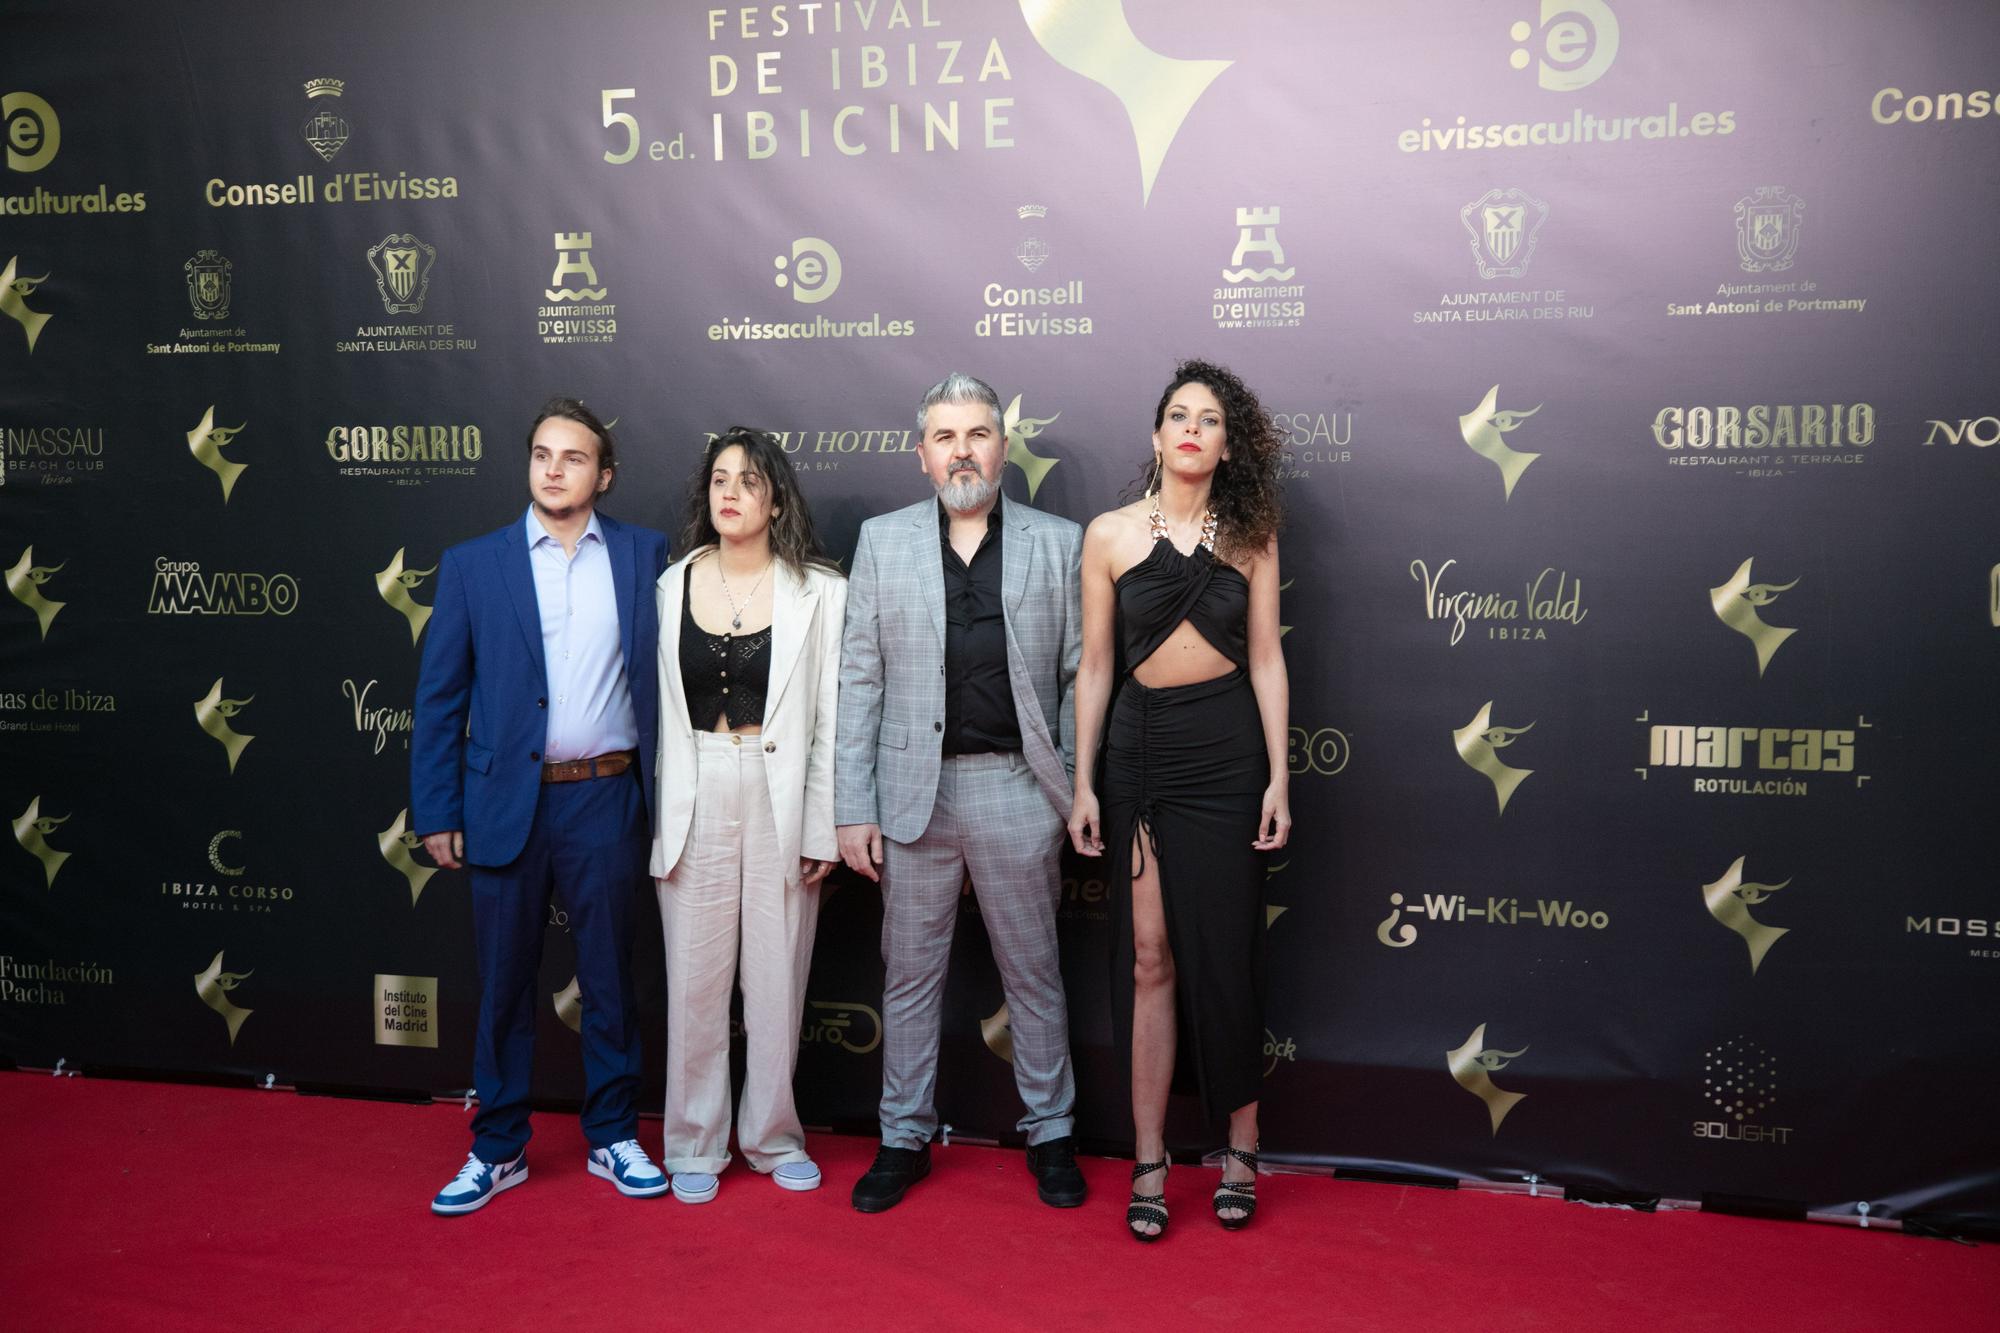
[{"x": 993, "y": 820}]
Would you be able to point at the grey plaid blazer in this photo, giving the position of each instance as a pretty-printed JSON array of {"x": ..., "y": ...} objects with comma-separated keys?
[{"x": 890, "y": 740}]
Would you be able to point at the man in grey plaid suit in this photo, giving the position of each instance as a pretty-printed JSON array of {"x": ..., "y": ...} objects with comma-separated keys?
[{"x": 954, "y": 751}]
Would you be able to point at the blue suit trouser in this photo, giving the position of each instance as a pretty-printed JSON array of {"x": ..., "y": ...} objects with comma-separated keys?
[{"x": 587, "y": 847}]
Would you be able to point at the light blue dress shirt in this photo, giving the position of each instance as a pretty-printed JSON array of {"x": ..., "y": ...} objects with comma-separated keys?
[{"x": 590, "y": 704}]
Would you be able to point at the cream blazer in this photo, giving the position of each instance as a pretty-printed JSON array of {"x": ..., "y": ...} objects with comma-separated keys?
[{"x": 807, "y": 616}]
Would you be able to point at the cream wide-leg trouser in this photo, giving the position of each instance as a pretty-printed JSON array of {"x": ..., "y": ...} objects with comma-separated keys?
[{"x": 729, "y": 899}]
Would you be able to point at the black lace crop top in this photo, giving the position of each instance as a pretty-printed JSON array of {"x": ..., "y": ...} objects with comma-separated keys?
[
  {"x": 725, "y": 675},
  {"x": 1158, "y": 593}
]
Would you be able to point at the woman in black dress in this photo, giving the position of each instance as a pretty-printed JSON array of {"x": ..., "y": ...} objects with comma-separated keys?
[{"x": 1180, "y": 623}]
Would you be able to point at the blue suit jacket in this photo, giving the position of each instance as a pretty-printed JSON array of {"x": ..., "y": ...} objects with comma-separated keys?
[{"x": 481, "y": 711}]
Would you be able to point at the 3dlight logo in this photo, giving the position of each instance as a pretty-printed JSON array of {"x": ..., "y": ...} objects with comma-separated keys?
[
  {"x": 1740, "y": 1080},
  {"x": 1572, "y": 47},
  {"x": 34, "y": 131},
  {"x": 811, "y": 270},
  {"x": 1473, "y": 1066}
]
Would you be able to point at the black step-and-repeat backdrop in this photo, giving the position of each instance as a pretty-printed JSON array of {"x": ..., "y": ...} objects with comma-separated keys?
[{"x": 1636, "y": 372}]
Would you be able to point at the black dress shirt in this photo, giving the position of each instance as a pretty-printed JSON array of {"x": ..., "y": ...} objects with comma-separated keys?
[{"x": 978, "y": 699}]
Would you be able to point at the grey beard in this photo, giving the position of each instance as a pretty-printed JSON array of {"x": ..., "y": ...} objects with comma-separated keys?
[{"x": 966, "y": 492}]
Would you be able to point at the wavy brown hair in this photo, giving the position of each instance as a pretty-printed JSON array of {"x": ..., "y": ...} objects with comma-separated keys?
[
  {"x": 793, "y": 538},
  {"x": 1245, "y": 496}
]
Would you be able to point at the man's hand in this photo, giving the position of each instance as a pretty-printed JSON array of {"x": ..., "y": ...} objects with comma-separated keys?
[
  {"x": 447, "y": 848},
  {"x": 861, "y": 848}
]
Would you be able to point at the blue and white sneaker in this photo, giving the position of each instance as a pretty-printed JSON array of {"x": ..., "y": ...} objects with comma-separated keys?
[
  {"x": 477, "y": 1182},
  {"x": 627, "y": 1166},
  {"x": 796, "y": 1175},
  {"x": 695, "y": 1186}
]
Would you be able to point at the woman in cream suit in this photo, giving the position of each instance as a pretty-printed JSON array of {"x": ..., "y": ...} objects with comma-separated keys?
[{"x": 750, "y": 632}]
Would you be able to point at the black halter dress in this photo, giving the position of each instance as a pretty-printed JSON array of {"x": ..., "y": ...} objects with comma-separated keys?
[{"x": 1186, "y": 767}]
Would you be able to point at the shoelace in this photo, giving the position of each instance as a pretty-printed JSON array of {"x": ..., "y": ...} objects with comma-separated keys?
[
  {"x": 629, "y": 1153},
  {"x": 469, "y": 1173}
]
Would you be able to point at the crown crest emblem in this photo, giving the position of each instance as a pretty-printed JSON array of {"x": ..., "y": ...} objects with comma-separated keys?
[
  {"x": 325, "y": 87},
  {"x": 1032, "y": 211}
]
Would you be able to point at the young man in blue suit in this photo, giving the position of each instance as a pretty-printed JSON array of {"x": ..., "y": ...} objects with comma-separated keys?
[{"x": 532, "y": 761}]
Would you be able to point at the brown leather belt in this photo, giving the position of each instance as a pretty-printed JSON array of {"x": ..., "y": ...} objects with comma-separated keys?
[{"x": 582, "y": 770}]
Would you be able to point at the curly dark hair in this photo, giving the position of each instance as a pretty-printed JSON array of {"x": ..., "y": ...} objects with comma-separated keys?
[
  {"x": 793, "y": 538},
  {"x": 1246, "y": 497}
]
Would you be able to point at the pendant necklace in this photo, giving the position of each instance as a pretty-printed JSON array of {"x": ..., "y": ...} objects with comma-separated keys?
[{"x": 736, "y": 612}]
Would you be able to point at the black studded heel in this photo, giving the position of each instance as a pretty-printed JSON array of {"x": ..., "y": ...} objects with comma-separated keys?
[
  {"x": 1238, "y": 1194},
  {"x": 1148, "y": 1208}
]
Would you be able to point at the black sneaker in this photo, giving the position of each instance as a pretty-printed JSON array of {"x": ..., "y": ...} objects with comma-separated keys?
[
  {"x": 894, "y": 1171},
  {"x": 1058, "y": 1183}
]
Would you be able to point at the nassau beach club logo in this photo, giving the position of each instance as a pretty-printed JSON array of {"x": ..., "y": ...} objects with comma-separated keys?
[
  {"x": 1767, "y": 229},
  {"x": 325, "y": 128},
  {"x": 1473, "y": 1066},
  {"x": 1729, "y": 901},
  {"x": 1736, "y": 604},
  {"x": 1484, "y": 430},
  {"x": 25, "y": 580},
  {"x": 1504, "y": 226},
  {"x": 402, "y": 266}
]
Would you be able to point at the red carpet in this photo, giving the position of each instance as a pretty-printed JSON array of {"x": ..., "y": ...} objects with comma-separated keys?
[{"x": 137, "y": 1205}]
